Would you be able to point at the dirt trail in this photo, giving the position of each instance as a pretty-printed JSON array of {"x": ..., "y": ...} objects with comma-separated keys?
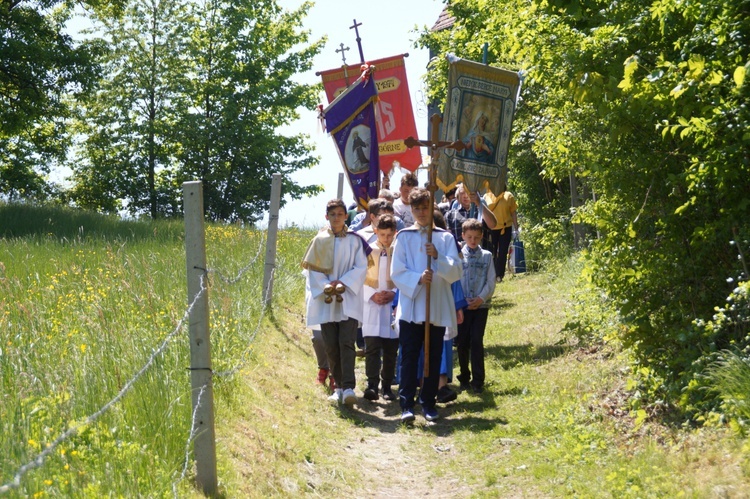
[{"x": 394, "y": 460}]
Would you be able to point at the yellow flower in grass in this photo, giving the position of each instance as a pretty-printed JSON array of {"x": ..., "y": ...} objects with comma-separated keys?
[
  {"x": 83, "y": 348},
  {"x": 48, "y": 482}
]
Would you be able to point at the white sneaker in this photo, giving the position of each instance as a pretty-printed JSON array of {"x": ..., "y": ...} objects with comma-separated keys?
[
  {"x": 336, "y": 397},
  {"x": 349, "y": 397}
]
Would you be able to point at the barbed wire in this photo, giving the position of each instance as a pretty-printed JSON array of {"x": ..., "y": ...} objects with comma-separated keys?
[
  {"x": 245, "y": 354},
  {"x": 193, "y": 428},
  {"x": 241, "y": 272},
  {"x": 39, "y": 460}
]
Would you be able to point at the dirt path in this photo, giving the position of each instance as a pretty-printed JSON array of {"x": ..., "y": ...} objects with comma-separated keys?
[{"x": 390, "y": 459}]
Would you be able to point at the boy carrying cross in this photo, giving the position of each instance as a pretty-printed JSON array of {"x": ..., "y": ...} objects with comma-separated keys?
[{"x": 411, "y": 276}]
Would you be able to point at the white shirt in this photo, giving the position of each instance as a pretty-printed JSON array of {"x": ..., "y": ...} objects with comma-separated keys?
[
  {"x": 404, "y": 212},
  {"x": 408, "y": 263},
  {"x": 349, "y": 266},
  {"x": 377, "y": 319}
]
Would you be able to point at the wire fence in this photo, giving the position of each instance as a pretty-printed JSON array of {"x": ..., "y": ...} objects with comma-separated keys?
[{"x": 74, "y": 428}]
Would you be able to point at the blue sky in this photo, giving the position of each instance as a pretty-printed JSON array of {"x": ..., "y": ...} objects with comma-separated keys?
[{"x": 387, "y": 29}]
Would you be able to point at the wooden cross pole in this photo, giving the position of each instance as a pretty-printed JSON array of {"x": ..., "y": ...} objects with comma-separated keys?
[
  {"x": 359, "y": 41},
  {"x": 434, "y": 145}
]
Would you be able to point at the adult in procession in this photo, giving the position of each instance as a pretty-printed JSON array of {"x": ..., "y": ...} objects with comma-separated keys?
[
  {"x": 505, "y": 210},
  {"x": 467, "y": 206}
]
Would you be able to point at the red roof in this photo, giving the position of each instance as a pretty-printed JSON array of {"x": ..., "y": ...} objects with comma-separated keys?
[{"x": 444, "y": 20}]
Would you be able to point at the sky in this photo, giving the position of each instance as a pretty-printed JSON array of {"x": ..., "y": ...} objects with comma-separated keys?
[{"x": 388, "y": 28}]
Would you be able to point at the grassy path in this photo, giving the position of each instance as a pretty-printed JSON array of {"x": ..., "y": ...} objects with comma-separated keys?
[{"x": 551, "y": 423}]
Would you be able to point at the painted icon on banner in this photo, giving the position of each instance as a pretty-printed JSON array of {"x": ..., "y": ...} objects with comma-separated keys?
[
  {"x": 480, "y": 128},
  {"x": 358, "y": 149}
]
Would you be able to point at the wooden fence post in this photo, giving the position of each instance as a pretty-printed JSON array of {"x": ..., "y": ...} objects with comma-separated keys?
[
  {"x": 204, "y": 443},
  {"x": 273, "y": 229}
]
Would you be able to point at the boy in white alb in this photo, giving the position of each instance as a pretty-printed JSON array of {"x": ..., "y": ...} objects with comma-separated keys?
[
  {"x": 411, "y": 276},
  {"x": 336, "y": 261},
  {"x": 378, "y": 293}
]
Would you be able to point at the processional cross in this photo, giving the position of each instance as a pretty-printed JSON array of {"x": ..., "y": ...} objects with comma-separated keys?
[
  {"x": 343, "y": 58},
  {"x": 434, "y": 145},
  {"x": 359, "y": 40}
]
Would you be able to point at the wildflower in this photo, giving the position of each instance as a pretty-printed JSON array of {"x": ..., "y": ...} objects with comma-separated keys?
[{"x": 83, "y": 348}]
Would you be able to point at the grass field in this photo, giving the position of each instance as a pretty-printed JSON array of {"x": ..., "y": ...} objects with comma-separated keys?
[{"x": 87, "y": 301}]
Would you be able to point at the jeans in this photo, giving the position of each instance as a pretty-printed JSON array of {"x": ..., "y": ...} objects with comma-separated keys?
[{"x": 471, "y": 347}]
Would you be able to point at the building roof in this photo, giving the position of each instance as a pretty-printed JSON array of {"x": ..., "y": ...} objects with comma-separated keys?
[{"x": 444, "y": 20}]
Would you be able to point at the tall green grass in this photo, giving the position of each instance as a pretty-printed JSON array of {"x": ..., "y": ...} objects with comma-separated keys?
[{"x": 85, "y": 301}]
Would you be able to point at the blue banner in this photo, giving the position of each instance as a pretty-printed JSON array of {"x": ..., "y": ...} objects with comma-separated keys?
[{"x": 350, "y": 119}]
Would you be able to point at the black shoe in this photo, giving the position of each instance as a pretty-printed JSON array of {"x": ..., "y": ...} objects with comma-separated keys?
[
  {"x": 388, "y": 393},
  {"x": 477, "y": 389},
  {"x": 445, "y": 395},
  {"x": 465, "y": 387},
  {"x": 371, "y": 393}
]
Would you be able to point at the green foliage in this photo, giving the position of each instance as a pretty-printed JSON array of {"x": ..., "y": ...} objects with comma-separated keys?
[
  {"x": 197, "y": 91},
  {"x": 244, "y": 56},
  {"x": 645, "y": 104}
]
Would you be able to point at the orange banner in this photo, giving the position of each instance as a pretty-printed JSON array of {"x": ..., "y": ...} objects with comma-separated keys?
[{"x": 395, "y": 118}]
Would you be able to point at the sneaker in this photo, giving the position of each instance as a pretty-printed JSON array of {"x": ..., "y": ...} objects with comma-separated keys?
[
  {"x": 336, "y": 397},
  {"x": 332, "y": 383},
  {"x": 371, "y": 393},
  {"x": 445, "y": 395},
  {"x": 322, "y": 376},
  {"x": 407, "y": 416},
  {"x": 430, "y": 414},
  {"x": 349, "y": 397},
  {"x": 388, "y": 393}
]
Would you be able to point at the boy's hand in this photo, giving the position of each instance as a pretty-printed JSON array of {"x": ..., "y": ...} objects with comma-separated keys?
[
  {"x": 459, "y": 316},
  {"x": 426, "y": 277},
  {"x": 431, "y": 250},
  {"x": 474, "y": 303}
]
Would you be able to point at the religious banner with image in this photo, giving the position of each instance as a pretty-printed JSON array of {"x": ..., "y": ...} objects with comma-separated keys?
[
  {"x": 395, "y": 114},
  {"x": 350, "y": 119},
  {"x": 479, "y": 110}
]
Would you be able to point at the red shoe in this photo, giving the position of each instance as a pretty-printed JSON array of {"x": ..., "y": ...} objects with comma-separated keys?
[
  {"x": 322, "y": 376},
  {"x": 332, "y": 383}
]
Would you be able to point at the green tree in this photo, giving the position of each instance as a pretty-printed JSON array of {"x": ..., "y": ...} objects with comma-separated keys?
[
  {"x": 128, "y": 154},
  {"x": 646, "y": 103},
  {"x": 245, "y": 55},
  {"x": 39, "y": 66}
]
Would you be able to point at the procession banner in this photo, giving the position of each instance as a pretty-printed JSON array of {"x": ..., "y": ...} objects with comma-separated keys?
[
  {"x": 350, "y": 119},
  {"x": 395, "y": 114},
  {"x": 479, "y": 110}
]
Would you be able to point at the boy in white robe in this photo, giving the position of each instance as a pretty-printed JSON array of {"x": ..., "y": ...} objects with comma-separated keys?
[
  {"x": 337, "y": 257},
  {"x": 378, "y": 293},
  {"x": 411, "y": 276}
]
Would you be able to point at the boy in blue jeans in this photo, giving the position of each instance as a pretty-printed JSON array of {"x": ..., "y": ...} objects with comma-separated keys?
[{"x": 478, "y": 283}]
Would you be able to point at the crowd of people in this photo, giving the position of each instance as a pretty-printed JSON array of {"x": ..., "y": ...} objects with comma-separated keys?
[{"x": 370, "y": 275}]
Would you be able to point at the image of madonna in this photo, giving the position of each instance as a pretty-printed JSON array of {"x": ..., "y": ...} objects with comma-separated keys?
[{"x": 478, "y": 140}]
